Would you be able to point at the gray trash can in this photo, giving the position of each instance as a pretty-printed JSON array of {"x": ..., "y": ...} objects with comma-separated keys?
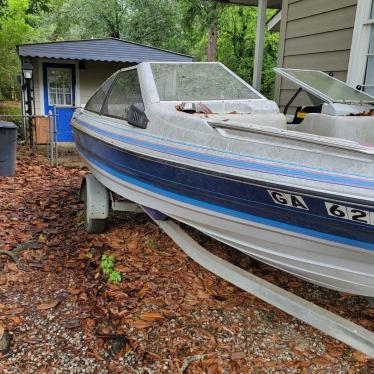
[{"x": 8, "y": 143}]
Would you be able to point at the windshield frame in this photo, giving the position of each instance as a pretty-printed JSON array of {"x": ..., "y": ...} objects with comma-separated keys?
[
  {"x": 260, "y": 96},
  {"x": 114, "y": 76}
]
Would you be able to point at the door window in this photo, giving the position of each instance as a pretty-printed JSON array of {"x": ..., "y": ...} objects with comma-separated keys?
[
  {"x": 125, "y": 92},
  {"x": 60, "y": 87}
]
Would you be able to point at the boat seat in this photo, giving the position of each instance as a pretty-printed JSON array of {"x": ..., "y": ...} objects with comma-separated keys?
[{"x": 355, "y": 128}]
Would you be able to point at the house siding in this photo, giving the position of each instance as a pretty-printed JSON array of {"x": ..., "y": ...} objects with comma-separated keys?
[
  {"x": 94, "y": 76},
  {"x": 315, "y": 34}
]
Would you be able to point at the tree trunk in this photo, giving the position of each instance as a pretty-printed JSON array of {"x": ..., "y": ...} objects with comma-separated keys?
[
  {"x": 212, "y": 42},
  {"x": 212, "y": 36}
]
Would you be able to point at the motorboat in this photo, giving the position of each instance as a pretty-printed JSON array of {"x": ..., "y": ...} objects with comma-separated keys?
[{"x": 197, "y": 143}]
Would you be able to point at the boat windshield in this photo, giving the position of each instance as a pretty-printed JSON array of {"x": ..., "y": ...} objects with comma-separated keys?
[
  {"x": 199, "y": 82},
  {"x": 324, "y": 86}
]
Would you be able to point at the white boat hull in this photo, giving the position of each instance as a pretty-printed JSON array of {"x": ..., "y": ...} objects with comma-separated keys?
[{"x": 336, "y": 266}]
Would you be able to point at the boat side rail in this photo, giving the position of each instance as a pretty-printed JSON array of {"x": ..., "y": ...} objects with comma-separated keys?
[{"x": 294, "y": 135}]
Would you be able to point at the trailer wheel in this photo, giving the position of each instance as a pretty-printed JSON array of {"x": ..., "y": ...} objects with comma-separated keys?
[{"x": 92, "y": 225}]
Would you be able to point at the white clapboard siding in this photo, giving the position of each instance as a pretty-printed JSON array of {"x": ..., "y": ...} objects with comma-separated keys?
[
  {"x": 315, "y": 34},
  {"x": 94, "y": 75}
]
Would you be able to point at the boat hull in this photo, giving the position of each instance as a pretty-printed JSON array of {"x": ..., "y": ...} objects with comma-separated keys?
[{"x": 286, "y": 228}]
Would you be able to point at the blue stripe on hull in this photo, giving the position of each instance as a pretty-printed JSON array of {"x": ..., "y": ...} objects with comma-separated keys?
[
  {"x": 233, "y": 197},
  {"x": 328, "y": 177}
]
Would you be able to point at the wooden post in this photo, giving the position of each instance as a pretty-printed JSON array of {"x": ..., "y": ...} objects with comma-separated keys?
[
  {"x": 50, "y": 137},
  {"x": 259, "y": 49},
  {"x": 29, "y": 112}
]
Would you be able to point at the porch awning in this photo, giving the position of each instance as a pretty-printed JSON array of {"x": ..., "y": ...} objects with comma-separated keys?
[{"x": 107, "y": 49}]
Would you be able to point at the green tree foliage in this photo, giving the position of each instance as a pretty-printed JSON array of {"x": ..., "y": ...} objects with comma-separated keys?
[
  {"x": 236, "y": 45},
  {"x": 80, "y": 19},
  {"x": 14, "y": 29},
  {"x": 204, "y": 29},
  {"x": 153, "y": 22},
  {"x": 20, "y": 22},
  {"x": 3, "y": 8},
  {"x": 199, "y": 21},
  {"x": 157, "y": 23},
  {"x": 236, "y": 37}
]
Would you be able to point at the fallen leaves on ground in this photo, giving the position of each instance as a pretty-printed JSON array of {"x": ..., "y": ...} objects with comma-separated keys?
[
  {"x": 360, "y": 357},
  {"x": 48, "y": 305},
  {"x": 167, "y": 314},
  {"x": 151, "y": 316}
]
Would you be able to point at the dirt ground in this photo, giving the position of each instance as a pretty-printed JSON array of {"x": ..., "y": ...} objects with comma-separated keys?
[
  {"x": 10, "y": 108},
  {"x": 60, "y": 314}
]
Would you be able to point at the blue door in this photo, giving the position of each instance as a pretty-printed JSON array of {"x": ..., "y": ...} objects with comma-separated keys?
[{"x": 59, "y": 91}]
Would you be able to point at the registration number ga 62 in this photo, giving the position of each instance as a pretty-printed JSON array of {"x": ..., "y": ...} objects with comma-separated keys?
[
  {"x": 333, "y": 209},
  {"x": 349, "y": 213}
]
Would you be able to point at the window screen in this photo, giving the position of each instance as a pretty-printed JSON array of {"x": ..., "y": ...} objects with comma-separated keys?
[
  {"x": 125, "y": 92},
  {"x": 96, "y": 102}
]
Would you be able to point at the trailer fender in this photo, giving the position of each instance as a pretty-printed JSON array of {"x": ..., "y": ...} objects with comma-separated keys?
[{"x": 96, "y": 198}]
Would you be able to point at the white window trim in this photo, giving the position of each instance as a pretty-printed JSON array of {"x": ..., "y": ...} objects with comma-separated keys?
[
  {"x": 64, "y": 94},
  {"x": 360, "y": 44},
  {"x": 41, "y": 81}
]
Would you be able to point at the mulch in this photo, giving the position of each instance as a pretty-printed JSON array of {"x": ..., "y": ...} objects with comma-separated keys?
[{"x": 59, "y": 313}]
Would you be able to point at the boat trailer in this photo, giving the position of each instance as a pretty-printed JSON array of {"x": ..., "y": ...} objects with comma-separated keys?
[{"x": 98, "y": 202}]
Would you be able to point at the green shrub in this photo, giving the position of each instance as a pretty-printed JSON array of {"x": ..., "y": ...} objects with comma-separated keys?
[{"x": 107, "y": 266}]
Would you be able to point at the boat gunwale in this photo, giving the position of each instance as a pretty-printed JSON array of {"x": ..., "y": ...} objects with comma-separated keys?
[
  {"x": 114, "y": 137},
  {"x": 248, "y": 180},
  {"x": 96, "y": 117}
]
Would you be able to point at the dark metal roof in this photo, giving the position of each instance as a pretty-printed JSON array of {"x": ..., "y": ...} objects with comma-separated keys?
[
  {"x": 276, "y": 4},
  {"x": 107, "y": 49}
]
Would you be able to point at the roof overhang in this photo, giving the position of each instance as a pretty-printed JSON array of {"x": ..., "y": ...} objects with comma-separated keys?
[
  {"x": 273, "y": 4},
  {"x": 106, "y": 49}
]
